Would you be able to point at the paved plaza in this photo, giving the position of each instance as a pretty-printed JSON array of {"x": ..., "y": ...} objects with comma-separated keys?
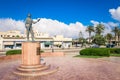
[{"x": 70, "y": 68}]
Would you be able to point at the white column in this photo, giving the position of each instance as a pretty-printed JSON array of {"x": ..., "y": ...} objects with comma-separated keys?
[{"x": 14, "y": 46}]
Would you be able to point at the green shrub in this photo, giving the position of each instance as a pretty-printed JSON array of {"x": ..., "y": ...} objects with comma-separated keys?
[
  {"x": 95, "y": 52},
  {"x": 12, "y": 52},
  {"x": 114, "y": 50},
  {"x": 41, "y": 51}
]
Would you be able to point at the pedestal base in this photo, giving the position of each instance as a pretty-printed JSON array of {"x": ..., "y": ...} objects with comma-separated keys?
[
  {"x": 36, "y": 70},
  {"x": 31, "y": 65}
]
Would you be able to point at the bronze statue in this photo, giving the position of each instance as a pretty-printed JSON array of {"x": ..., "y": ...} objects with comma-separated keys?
[{"x": 28, "y": 25}]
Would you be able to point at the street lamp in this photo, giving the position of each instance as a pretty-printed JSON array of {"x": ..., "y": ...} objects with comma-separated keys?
[{"x": 53, "y": 46}]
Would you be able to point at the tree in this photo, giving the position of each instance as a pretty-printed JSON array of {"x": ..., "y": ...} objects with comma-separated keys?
[
  {"x": 99, "y": 40},
  {"x": 115, "y": 30},
  {"x": 17, "y": 36},
  {"x": 90, "y": 29},
  {"x": 99, "y": 29},
  {"x": 118, "y": 37},
  {"x": 83, "y": 41},
  {"x": 109, "y": 37}
]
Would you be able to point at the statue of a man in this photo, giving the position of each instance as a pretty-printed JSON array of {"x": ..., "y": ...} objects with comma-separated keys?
[{"x": 28, "y": 25}]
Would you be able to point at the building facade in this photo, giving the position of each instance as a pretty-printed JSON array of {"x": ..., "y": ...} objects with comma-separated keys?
[
  {"x": 12, "y": 33},
  {"x": 14, "y": 39},
  {"x": 60, "y": 41}
]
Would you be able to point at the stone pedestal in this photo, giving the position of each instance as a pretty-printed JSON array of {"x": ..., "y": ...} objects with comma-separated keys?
[
  {"x": 30, "y": 53},
  {"x": 31, "y": 64}
]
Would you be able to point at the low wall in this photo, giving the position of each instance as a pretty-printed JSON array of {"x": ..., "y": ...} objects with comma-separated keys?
[
  {"x": 52, "y": 54},
  {"x": 10, "y": 57},
  {"x": 18, "y": 56}
]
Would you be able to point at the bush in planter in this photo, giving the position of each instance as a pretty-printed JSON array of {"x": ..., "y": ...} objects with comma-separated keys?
[
  {"x": 95, "y": 52},
  {"x": 114, "y": 50},
  {"x": 41, "y": 51},
  {"x": 12, "y": 52}
]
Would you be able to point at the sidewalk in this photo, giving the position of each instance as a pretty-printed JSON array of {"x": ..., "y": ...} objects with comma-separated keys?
[{"x": 70, "y": 68}]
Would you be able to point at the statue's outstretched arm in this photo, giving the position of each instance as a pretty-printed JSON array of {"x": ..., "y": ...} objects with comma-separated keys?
[{"x": 36, "y": 21}]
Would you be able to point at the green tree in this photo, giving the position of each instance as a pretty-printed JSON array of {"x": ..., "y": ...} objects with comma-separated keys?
[
  {"x": 90, "y": 29},
  {"x": 99, "y": 40},
  {"x": 115, "y": 30},
  {"x": 109, "y": 37},
  {"x": 119, "y": 37},
  {"x": 83, "y": 41},
  {"x": 17, "y": 36},
  {"x": 99, "y": 29}
]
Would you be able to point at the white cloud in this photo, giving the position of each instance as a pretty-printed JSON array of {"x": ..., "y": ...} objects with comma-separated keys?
[
  {"x": 95, "y": 23},
  {"x": 113, "y": 24},
  {"x": 108, "y": 26},
  {"x": 53, "y": 27},
  {"x": 10, "y": 24},
  {"x": 115, "y": 13}
]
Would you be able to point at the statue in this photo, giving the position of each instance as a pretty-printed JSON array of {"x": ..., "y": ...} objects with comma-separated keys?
[{"x": 28, "y": 25}]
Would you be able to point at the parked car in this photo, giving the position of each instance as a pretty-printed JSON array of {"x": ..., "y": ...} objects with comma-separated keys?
[
  {"x": 110, "y": 45},
  {"x": 94, "y": 46}
]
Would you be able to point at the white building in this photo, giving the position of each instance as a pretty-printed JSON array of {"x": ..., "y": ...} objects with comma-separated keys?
[
  {"x": 14, "y": 39},
  {"x": 38, "y": 34},
  {"x": 60, "y": 41},
  {"x": 1, "y": 43},
  {"x": 12, "y": 33}
]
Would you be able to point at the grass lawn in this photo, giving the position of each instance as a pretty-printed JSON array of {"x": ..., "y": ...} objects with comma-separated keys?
[
  {"x": 82, "y": 56},
  {"x": 116, "y": 55}
]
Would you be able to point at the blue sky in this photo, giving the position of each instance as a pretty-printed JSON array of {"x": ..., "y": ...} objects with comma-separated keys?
[
  {"x": 60, "y": 17},
  {"x": 67, "y": 11}
]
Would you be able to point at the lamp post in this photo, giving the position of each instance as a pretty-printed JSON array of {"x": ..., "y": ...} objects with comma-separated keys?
[
  {"x": 81, "y": 37},
  {"x": 53, "y": 46},
  {"x": 62, "y": 45}
]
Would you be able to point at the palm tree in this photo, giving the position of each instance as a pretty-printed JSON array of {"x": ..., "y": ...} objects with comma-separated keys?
[
  {"x": 118, "y": 37},
  {"x": 109, "y": 37},
  {"x": 90, "y": 29},
  {"x": 115, "y": 30},
  {"x": 99, "y": 28}
]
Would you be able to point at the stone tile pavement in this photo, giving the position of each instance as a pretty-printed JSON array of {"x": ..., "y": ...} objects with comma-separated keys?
[{"x": 70, "y": 68}]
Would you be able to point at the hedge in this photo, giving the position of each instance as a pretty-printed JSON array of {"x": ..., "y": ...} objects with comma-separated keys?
[
  {"x": 114, "y": 50},
  {"x": 13, "y": 52},
  {"x": 95, "y": 52}
]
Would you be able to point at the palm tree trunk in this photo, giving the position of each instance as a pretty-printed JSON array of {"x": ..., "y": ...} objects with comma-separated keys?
[
  {"x": 118, "y": 40},
  {"x": 89, "y": 37},
  {"x": 115, "y": 39}
]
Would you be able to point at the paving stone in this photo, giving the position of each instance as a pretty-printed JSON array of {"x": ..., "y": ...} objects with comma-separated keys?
[{"x": 70, "y": 68}]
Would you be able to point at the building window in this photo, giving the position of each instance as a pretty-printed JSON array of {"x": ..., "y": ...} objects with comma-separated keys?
[{"x": 8, "y": 35}]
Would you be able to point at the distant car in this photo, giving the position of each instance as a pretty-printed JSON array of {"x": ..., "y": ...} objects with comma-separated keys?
[
  {"x": 94, "y": 46},
  {"x": 110, "y": 45},
  {"x": 78, "y": 45}
]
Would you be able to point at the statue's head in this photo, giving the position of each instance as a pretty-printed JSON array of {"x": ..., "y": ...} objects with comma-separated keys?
[{"x": 29, "y": 15}]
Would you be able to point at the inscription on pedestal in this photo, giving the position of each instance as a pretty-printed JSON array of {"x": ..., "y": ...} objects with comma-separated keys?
[{"x": 38, "y": 50}]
